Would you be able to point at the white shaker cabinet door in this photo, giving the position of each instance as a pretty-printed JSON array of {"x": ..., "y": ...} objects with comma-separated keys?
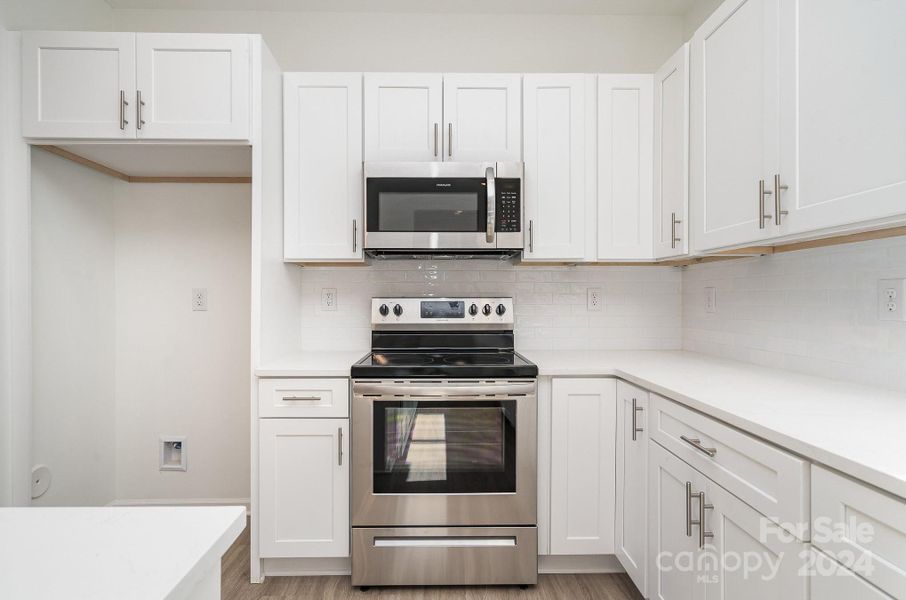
[
  {"x": 672, "y": 539},
  {"x": 559, "y": 181},
  {"x": 843, "y": 112},
  {"x": 734, "y": 133},
  {"x": 304, "y": 488},
  {"x": 193, "y": 86},
  {"x": 403, "y": 116},
  {"x": 671, "y": 156},
  {"x": 322, "y": 188},
  {"x": 482, "y": 117},
  {"x": 78, "y": 85},
  {"x": 631, "y": 525},
  {"x": 583, "y": 440},
  {"x": 625, "y": 145}
]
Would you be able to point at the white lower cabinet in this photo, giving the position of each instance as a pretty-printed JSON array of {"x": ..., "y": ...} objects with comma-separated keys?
[
  {"x": 583, "y": 438},
  {"x": 706, "y": 543},
  {"x": 303, "y": 488},
  {"x": 631, "y": 524},
  {"x": 672, "y": 546},
  {"x": 832, "y": 581}
]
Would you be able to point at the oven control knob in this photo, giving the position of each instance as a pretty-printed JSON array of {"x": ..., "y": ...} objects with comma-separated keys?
[
  {"x": 473, "y": 310},
  {"x": 501, "y": 309},
  {"x": 486, "y": 310},
  {"x": 384, "y": 310},
  {"x": 398, "y": 310}
]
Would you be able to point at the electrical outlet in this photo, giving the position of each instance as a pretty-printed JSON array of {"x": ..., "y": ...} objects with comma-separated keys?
[
  {"x": 595, "y": 299},
  {"x": 710, "y": 300},
  {"x": 200, "y": 299},
  {"x": 891, "y": 299},
  {"x": 173, "y": 453},
  {"x": 328, "y": 298}
]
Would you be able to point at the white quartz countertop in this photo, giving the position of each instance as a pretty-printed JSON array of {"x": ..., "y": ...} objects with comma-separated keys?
[
  {"x": 331, "y": 363},
  {"x": 856, "y": 429},
  {"x": 112, "y": 552}
]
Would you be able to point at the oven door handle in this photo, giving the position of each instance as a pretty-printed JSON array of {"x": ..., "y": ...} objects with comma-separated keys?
[
  {"x": 490, "y": 177},
  {"x": 442, "y": 391}
]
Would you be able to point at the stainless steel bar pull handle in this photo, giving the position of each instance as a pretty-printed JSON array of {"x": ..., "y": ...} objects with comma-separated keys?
[
  {"x": 697, "y": 444},
  {"x": 490, "y": 183},
  {"x": 355, "y": 235},
  {"x": 673, "y": 223},
  {"x": 689, "y": 521},
  {"x": 779, "y": 214},
  {"x": 123, "y": 105},
  {"x": 449, "y": 139},
  {"x": 300, "y": 399},
  {"x": 339, "y": 446},
  {"x": 531, "y": 237},
  {"x": 702, "y": 507},
  {"x": 435, "y": 139},
  {"x": 635, "y": 411},
  {"x": 762, "y": 192},
  {"x": 139, "y": 103}
]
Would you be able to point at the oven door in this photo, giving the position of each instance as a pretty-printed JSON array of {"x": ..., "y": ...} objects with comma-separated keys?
[
  {"x": 438, "y": 206},
  {"x": 444, "y": 453}
]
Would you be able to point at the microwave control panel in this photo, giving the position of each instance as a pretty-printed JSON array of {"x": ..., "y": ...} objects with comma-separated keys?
[{"x": 509, "y": 205}]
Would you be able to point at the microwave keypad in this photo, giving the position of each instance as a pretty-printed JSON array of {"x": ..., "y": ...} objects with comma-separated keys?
[{"x": 508, "y": 206}]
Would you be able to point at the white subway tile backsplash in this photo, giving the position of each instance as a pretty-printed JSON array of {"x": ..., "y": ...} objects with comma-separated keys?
[
  {"x": 813, "y": 311},
  {"x": 642, "y": 305}
]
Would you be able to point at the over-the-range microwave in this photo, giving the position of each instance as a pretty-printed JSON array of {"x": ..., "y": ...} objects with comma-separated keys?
[{"x": 443, "y": 208}]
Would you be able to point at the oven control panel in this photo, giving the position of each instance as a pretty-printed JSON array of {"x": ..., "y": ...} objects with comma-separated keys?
[{"x": 445, "y": 313}]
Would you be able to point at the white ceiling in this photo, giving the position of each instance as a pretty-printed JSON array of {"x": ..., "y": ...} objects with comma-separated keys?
[{"x": 601, "y": 7}]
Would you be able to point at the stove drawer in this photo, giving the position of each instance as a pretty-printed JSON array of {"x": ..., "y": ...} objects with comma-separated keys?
[
  {"x": 300, "y": 397},
  {"x": 445, "y": 556}
]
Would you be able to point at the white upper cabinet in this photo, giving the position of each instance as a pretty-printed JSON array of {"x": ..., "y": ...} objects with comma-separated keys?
[
  {"x": 88, "y": 85},
  {"x": 583, "y": 439},
  {"x": 734, "y": 116},
  {"x": 559, "y": 180},
  {"x": 322, "y": 154},
  {"x": 483, "y": 117},
  {"x": 843, "y": 112},
  {"x": 78, "y": 84},
  {"x": 403, "y": 116},
  {"x": 671, "y": 156},
  {"x": 192, "y": 85},
  {"x": 625, "y": 145}
]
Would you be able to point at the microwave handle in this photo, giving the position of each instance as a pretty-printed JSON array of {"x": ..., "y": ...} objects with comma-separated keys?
[{"x": 492, "y": 202}]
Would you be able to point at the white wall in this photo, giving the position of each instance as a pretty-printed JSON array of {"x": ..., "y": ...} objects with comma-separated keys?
[
  {"x": 813, "y": 311},
  {"x": 178, "y": 371},
  {"x": 320, "y": 41},
  {"x": 90, "y": 15},
  {"x": 73, "y": 329},
  {"x": 641, "y": 305}
]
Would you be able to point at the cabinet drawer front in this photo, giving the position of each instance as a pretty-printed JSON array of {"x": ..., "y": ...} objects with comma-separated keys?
[
  {"x": 772, "y": 481},
  {"x": 832, "y": 581},
  {"x": 866, "y": 526},
  {"x": 303, "y": 398}
]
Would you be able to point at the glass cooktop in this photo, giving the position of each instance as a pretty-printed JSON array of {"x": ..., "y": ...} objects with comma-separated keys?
[{"x": 444, "y": 364}]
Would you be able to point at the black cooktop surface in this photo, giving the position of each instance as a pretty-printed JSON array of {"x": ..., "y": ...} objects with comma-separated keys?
[{"x": 415, "y": 363}]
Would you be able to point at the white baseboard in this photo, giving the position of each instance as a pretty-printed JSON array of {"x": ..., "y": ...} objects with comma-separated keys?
[
  {"x": 604, "y": 563},
  {"x": 183, "y": 502},
  {"x": 305, "y": 567}
]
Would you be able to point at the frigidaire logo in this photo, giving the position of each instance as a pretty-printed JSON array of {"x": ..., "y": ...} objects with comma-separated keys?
[{"x": 443, "y": 184}]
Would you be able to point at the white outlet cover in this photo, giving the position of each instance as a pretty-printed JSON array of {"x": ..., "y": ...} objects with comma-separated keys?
[
  {"x": 595, "y": 299},
  {"x": 710, "y": 300},
  {"x": 200, "y": 299},
  {"x": 40, "y": 480},
  {"x": 328, "y": 298},
  {"x": 892, "y": 299}
]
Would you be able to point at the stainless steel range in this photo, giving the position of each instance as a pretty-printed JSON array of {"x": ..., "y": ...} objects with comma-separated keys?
[{"x": 444, "y": 447}]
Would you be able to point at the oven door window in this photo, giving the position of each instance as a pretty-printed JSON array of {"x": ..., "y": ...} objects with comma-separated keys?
[
  {"x": 426, "y": 205},
  {"x": 444, "y": 447}
]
